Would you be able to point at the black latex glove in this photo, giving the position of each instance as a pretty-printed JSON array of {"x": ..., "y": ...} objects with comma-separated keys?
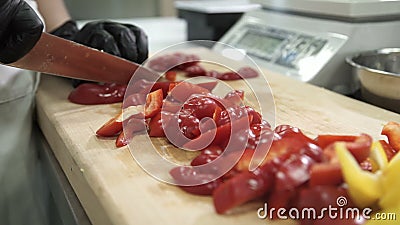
[
  {"x": 67, "y": 31},
  {"x": 123, "y": 40},
  {"x": 20, "y": 29}
]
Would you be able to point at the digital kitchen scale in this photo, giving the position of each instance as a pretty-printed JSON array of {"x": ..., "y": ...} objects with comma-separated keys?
[{"x": 309, "y": 39}]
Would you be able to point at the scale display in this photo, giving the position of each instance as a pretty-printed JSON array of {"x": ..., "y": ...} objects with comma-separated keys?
[
  {"x": 255, "y": 41},
  {"x": 282, "y": 47}
]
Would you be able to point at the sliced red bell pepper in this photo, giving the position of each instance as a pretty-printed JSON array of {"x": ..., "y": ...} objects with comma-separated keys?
[
  {"x": 115, "y": 125},
  {"x": 156, "y": 123},
  {"x": 247, "y": 72},
  {"x": 235, "y": 96},
  {"x": 212, "y": 150},
  {"x": 154, "y": 101},
  {"x": 111, "y": 128},
  {"x": 155, "y": 126},
  {"x": 203, "y": 159},
  {"x": 243, "y": 187},
  {"x": 92, "y": 93},
  {"x": 330, "y": 172},
  {"x": 323, "y": 197},
  {"x": 188, "y": 175},
  {"x": 325, "y": 174},
  {"x": 208, "y": 85},
  {"x": 145, "y": 86},
  {"x": 279, "y": 199},
  {"x": 132, "y": 126},
  {"x": 234, "y": 113},
  {"x": 244, "y": 161},
  {"x": 184, "y": 90},
  {"x": 325, "y": 140},
  {"x": 134, "y": 100},
  {"x": 290, "y": 140},
  {"x": 181, "y": 128},
  {"x": 294, "y": 172},
  {"x": 171, "y": 86},
  {"x": 219, "y": 135},
  {"x": 392, "y": 131},
  {"x": 195, "y": 70},
  {"x": 170, "y": 106},
  {"x": 359, "y": 146},
  {"x": 170, "y": 75},
  {"x": 390, "y": 152},
  {"x": 200, "y": 106},
  {"x": 121, "y": 140}
]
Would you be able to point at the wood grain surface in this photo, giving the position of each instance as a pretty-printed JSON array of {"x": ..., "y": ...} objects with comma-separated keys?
[{"x": 113, "y": 189}]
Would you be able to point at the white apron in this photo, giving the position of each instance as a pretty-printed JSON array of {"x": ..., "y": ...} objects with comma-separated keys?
[{"x": 21, "y": 201}]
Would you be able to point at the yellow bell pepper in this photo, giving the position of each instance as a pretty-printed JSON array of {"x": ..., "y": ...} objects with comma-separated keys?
[
  {"x": 390, "y": 181},
  {"x": 378, "y": 157},
  {"x": 366, "y": 188},
  {"x": 363, "y": 186}
]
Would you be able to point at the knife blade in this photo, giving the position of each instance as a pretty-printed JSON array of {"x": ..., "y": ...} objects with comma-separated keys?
[{"x": 58, "y": 56}]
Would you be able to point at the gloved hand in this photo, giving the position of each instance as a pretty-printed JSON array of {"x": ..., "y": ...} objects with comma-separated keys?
[
  {"x": 20, "y": 29},
  {"x": 123, "y": 40}
]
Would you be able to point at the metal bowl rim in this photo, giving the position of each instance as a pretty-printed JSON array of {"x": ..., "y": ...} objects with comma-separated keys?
[{"x": 384, "y": 51}]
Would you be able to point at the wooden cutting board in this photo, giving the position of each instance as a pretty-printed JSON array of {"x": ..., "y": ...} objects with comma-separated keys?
[{"x": 113, "y": 189}]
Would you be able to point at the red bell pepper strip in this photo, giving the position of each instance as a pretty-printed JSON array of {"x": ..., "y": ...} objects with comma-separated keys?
[
  {"x": 208, "y": 85},
  {"x": 134, "y": 100},
  {"x": 155, "y": 126},
  {"x": 359, "y": 146},
  {"x": 184, "y": 90},
  {"x": 170, "y": 75},
  {"x": 392, "y": 131},
  {"x": 200, "y": 106},
  {"x": 390, "y": 152},
  {"x": 132, "y": 126},
  {"x": 325, "y": 140},
  {"x": 242, "y": 188},
  {"x": 154, "y": 101},
  {"x": 186, "y": 175},
  {"x": 294, "y": 172},
  {"x": 235, "y": 96},
  {"x": 111, "y": 128},
  {"x": 325, "y": 174},
  {"x": 121, "y": 140},
  {"x": 195, "y": 70},
  {"x": 218, "y": 134},
  {"x": 329, "y": 172},
  {"x": 92, "y": 94},
  {"x": 144, "y": 86}
]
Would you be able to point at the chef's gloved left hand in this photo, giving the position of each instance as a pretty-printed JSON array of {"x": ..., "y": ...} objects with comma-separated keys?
[{"x": 124, "y": 40}]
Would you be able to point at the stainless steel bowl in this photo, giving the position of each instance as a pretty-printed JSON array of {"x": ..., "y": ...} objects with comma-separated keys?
[{"x": 379, "y": 75}]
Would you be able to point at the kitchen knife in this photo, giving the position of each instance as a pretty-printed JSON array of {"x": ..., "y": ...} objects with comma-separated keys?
[{"x": 58, "y": 56}]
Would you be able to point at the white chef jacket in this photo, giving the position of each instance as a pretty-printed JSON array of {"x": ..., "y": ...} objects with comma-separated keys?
[{"x": 20, "y": 176}]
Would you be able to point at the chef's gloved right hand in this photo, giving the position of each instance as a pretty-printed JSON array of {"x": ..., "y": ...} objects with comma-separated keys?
[{"x": 20, "y": 29}]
